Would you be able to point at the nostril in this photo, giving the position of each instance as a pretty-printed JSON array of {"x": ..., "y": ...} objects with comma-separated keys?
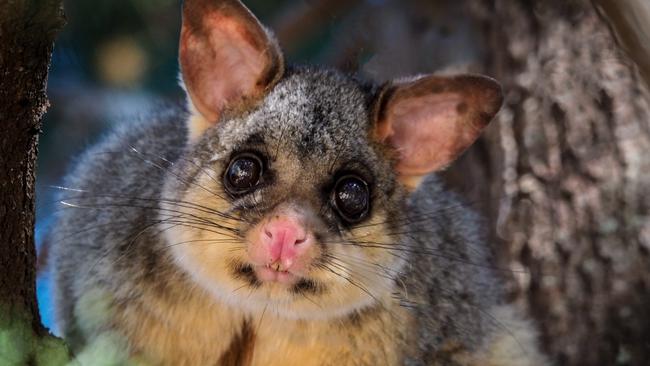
[
  {"x": 268, "y": 234},
  {"x": 300, "y": 241}
]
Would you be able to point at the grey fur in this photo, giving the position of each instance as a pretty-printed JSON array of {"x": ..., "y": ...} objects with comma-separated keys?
[{"x": 318, "y": 120}]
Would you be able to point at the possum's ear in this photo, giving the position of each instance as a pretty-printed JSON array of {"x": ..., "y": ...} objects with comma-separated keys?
[
  {"x": 228, "y": 59},
  {"x": 431, "y": 120}
]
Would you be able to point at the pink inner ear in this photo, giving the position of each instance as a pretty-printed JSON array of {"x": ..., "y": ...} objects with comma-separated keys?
[
  {"x": 238, "y": 59},
  {"x": 222, "y": 63},
  {"x": 429, "y": 131}
]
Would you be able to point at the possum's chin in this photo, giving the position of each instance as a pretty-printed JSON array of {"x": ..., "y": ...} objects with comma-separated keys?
[
  {"x": 297, "y": 298},
  {"x": 286, "y": 302},
  {"x": 293, "y": 297}
]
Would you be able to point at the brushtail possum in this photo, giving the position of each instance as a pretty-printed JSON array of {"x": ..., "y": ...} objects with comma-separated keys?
[{"x": 286, "y": 216}]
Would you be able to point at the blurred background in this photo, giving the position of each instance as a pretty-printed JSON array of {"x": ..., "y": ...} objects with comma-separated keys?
[{"x": 561, "y": 175}]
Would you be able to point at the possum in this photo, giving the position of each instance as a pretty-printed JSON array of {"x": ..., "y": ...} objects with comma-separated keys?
[{"x": 286, "y": 215}]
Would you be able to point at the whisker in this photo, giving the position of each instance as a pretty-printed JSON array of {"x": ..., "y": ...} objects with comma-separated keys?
[
  {"x": 203, "y": 241},
  {"x": 239, "y": 288},
  {"x": 347, "y": 279},
  {"x": 281, "y": 139},
  {"x": 114, "y": 205},
  {"x": 171, "y": 172},
  {"x": 180, "y": 203},
  {"x": 421, "y": 251}
]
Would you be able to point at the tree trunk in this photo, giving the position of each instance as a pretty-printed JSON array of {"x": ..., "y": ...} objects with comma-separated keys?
[
  {"x": 563, "y": 173},
  {"x": 630, "y": 22},
  {"x": 566, "y": 173},
  {"x": 27, "y": 32}
]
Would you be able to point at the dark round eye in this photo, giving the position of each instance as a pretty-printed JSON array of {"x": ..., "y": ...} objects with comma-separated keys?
[
  {"x": 351, "y": 198},
  {"x": 243, "y": 173}
]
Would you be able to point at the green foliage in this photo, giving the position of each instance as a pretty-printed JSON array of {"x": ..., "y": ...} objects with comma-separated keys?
[
  {"x": 51, "y": 351},
  {"x": 108, "y": 348},
  {"x": 19, "y": 345}
]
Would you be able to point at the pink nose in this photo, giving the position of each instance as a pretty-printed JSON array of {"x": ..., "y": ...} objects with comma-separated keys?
[{"x": 284, "y": 239}]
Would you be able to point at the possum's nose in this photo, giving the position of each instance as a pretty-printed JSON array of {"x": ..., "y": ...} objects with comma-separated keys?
[
  {"x": 281, "y": 243},
  {"x": 285, "y": 239}
]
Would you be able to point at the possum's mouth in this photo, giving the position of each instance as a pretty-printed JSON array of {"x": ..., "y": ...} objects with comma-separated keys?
[
  {"x": 270, "y": 273},
  {"x": 258, "y": 276}
]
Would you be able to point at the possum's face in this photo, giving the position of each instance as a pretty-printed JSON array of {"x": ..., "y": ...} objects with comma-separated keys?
[
  {"x": 299, "y": 209},
  {"x": 291, "y": 196}
]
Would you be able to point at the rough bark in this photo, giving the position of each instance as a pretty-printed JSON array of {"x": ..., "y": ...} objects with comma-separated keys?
[
  {"x": 569, "y": 181},
  {"x": 27, "y": 32}
]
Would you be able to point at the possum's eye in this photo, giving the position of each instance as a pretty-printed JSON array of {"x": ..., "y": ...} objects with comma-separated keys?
[
  {"x": 351, "y": 198},
  {"x": 243, "y": 173}
]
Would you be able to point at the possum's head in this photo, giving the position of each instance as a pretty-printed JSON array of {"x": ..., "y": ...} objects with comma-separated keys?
[{"x": 291, "y": 194}]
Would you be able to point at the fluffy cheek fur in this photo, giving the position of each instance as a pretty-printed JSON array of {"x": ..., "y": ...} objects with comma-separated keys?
[
  {"x": 350, "y": 274},
  {"x": 202, "y": 241}
]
